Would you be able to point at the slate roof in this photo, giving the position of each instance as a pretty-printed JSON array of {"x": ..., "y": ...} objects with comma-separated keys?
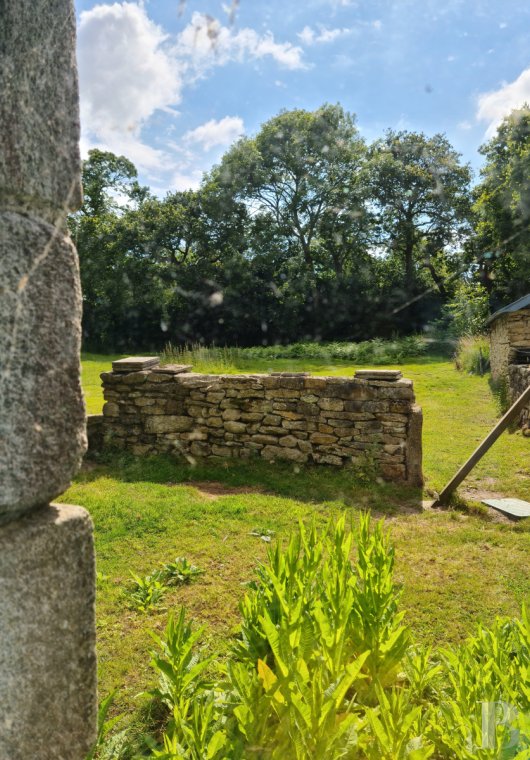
[{"x": 521, "y": 303}]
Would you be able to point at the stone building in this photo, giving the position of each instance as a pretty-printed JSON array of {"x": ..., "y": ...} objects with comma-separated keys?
[{"x": 510, "y": 337}]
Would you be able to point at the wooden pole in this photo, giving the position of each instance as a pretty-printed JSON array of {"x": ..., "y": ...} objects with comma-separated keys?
[{"x": 486, "y": 444}]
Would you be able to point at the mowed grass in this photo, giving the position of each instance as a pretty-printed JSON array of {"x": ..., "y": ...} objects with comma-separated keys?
[{"x": 457, "y": 567}]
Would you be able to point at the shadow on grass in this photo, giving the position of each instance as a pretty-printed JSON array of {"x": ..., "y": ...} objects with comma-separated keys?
[{"x": 300, "y": 483}]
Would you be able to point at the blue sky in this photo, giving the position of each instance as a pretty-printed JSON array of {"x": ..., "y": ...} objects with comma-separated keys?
[{"x": 171, "y": 84}]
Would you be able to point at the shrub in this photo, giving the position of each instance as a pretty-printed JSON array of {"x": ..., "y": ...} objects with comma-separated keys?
[
  {"x": 466, "y": 313},
  {"x": 473, "y": 354}
]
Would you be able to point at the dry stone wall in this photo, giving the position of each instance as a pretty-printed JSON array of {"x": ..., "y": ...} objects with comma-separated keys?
[
  {"x": 519, "y": 380},
  {"x": 321, "y": 420},
  {"x": 508, "y": 332}
]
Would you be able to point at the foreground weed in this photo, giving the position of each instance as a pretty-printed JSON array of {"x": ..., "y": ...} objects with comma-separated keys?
[
  {"x": 323, "y": 667},
  {"x": 146, "y": 593},
  {"x": 179, "y": 572}
]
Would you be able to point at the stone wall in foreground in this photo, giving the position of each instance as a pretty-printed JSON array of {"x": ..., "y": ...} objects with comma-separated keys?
[
  {"x": 322, "y": 420},
  {"x": 519, "y": 380}
]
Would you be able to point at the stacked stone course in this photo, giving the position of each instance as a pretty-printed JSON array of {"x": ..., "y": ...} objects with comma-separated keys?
[
  {"x": 519, "y": 380},
  {"x": 508, "y": 332},
  {"x": 322, "y": 420}
]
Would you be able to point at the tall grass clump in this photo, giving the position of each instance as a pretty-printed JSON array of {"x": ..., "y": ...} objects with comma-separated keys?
[
  {"x": 211, "y": 360},
  {"x": 324, "y": 667},
  {"x": 220, "y": 360},
  {"x": 473, "y": 354}
]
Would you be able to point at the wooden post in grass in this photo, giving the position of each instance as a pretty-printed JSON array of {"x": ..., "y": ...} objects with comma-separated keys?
[{"x": 486, "y": 444}]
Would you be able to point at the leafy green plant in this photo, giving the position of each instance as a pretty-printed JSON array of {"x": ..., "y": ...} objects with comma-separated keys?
[
  {"x": 467, "y": 311},
  {"x": 377, "y": 624},
  {"x": 109, "y": 746},
  {"x": 146, "y": 593},
  {"x": 179, "y": 572},
  {"x": 323, "y": 667}
]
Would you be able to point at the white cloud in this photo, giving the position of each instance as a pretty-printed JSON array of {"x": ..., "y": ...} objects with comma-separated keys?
[
  {"x": 205, "y": 42},
  {"x": 130, "y": 69},
  {"x": 494, "y": 106},
  {"x": 126, "y": 74},
  {"x": 309, "y": 36},
  {"x": 214, "y": 133}
]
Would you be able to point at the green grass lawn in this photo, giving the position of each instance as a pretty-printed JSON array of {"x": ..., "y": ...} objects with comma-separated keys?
[{"x": 457, "y": 567}]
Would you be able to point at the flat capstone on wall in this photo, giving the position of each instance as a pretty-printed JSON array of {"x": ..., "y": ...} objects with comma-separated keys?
[{"x": 333, "y": 421}]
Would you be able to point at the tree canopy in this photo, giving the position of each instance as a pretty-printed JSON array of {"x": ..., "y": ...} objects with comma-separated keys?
[{"x": 303, "y": 231}]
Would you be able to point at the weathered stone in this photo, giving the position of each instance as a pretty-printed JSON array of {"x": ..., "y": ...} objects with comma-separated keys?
[
  {"x": 309, "y": 399},
  {"x": 222, "y": 451},
  {"x": 414, "y": 448},
  {"x": 214, "y": 422},
  {"x": 159, "y": 377},
  {"x": 277, "y": 452},
  {"x": 282, "y": 393},
  {"x": 39, "y": 111},
  {"x": 288, "y": 440},
  {"x": 331, "y": 404},
  {"x": 231, "y": 414},
  {"x": 272, "y": 419},
  {"x": 110, "y": 409},
  {"x": 168, "y": 424},
  {"x": 42, "y": 416},
  {"x": 134, "y": 378},
  {"x": 200, "y": 449},
  {"x": 290, "y": 415},
  {"x": 328, "y": 459},
  {"x": 264, "y": 439},
  {"x": 135, "y": 364},
  {"x": 215, "y": 396},
  {"x": 47, "y": 645},
  {"x": 235, "y": 427},
  {"x": 294, "y": 424},
  {"x": 251, "y": 417},
  {"x": 321, "y": 438}
]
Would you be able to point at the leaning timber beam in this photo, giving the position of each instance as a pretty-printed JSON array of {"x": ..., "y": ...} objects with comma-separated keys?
[{"x": 486, "y": 444}]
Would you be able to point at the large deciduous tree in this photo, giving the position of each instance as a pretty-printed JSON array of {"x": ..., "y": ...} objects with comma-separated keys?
[
  {"x": 420, "y": 192},
  {"x": 502, "y": 209},
  {"x": 301, "y": 168}
]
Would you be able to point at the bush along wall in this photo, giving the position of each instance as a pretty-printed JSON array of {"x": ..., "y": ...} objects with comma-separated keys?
[{"x": 369, "y": 419}]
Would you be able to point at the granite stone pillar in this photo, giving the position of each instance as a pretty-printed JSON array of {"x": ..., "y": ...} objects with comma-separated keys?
[{"x": 47, "y": 631}]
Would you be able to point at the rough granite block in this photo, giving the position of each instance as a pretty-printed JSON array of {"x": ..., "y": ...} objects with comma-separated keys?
[
  {"x": 42, "y": 414},
  {"x": 47, "y": 635},
  {"x": 39, "y": 110}
]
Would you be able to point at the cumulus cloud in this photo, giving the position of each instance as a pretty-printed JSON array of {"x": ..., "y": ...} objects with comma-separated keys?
[
  {"x": 126, "y": 74},
  {"x": 205, "y": 42},
  {"x": 311, "y": 36},
  {"x": 130, "y": 69},
  {"x": 215, "y": 133},
  {"x": 494, "y": 106}
]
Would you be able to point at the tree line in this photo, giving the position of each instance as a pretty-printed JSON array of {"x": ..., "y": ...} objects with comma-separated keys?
[{"x": 305, "y": 231}]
